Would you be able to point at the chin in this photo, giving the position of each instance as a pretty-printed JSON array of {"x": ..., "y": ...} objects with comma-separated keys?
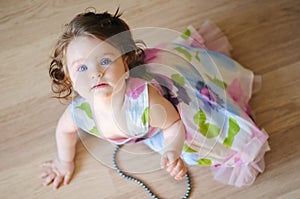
[{"x": 101, "y": 96}]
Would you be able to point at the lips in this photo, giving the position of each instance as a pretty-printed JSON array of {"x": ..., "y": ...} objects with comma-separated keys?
[{"x": 100, "y": 85}]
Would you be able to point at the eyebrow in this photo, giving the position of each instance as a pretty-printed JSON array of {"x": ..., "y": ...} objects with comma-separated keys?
[
  {"x": 74, "y": 62},
  {"x": 82, "y": 59}
]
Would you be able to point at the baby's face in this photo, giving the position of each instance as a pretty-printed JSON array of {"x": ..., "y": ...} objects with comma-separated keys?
[{"x": 95, "y": 67}]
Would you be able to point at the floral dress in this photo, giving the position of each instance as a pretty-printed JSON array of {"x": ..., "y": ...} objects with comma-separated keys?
[{"x": 211, "y": 93}]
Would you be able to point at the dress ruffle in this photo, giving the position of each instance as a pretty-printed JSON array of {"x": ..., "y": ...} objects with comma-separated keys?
[
  {"x": 245, "y": 173},
  {"x": 212, "y": 38},
  {"x": 209, "y": 36}
]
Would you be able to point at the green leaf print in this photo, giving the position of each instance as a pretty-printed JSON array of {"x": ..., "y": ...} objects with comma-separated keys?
[
  {"x": 200, "y": 118},
  {"x": 233, "y": 130},
  {"x": 86, "y": 108},
  {"x": 186, "y": 34},
  {"x": 186, "y": 53},
  {"x": 145, "y": 116},
  {"x": 187, "y": 149},
  {"x": 94, "y": 131},
  {"x": 204, "y": 162},
  {"x": 178, "y": 79},
  {"x": 210, "y": 130},
  {"x": 206, "y": 129},
  {"x": 197, "y": 56},
  {"x": 217, "y": 82}
]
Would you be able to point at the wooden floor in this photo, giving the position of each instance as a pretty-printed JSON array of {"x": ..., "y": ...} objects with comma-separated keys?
[{"x": 265, "y": 37}]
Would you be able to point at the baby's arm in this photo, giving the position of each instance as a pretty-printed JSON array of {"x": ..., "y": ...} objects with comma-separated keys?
[
  {"x": 62, "y": 168},
  {"x": 163, "y": 115}
]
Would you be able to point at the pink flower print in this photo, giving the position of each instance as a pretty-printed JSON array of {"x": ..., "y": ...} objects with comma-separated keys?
[
  {"x": 135, "y": 87},
  {"x": 151, "y": 54},
  {"x": 217, "y": 165},
  {"x": 238, "y": 161},
  {"x": 208, "y": 94},
  {"x": 136, "y": 93}
]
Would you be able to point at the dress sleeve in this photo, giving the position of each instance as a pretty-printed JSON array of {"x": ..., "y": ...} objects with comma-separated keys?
[
  {"x": 136, "y": 107},
  {"x": 82, "y": 116}
]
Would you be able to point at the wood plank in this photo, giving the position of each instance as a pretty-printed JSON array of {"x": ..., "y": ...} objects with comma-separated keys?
[{"x": 265, "y": 37}]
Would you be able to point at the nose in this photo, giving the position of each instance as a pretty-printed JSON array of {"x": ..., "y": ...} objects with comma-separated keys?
[
  {"x": 97, "y": 72},
  {"x": 97, "y": 75}
]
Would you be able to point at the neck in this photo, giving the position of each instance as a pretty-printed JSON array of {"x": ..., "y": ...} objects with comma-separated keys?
[{"x": 105, "y": 105}]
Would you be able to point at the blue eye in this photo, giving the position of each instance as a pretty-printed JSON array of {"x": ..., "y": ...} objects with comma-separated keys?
[
  {"x": 82, "y": 68},
  {"x": 105, "y": 61}
]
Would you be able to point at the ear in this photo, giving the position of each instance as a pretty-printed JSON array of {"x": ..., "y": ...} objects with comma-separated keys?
[
  {"x": 126, "y": 75},
  {"x": 126, "y": 68},
  {"x": 125, "y": 62}
]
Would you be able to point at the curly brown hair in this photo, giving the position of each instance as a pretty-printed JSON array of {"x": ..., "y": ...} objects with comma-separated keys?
[{"x": 103, "y": 26}]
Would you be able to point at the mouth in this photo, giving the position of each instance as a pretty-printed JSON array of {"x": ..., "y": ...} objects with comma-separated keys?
[{"x": 101, "y": 85}]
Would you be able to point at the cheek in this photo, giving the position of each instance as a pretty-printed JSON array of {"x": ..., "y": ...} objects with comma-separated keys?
[
  {"x": 75, "y": 77},
  {"x": 119, "y": 75},
  {"x": 120, "y": 69},
  {"x": 77, "y": 81}
]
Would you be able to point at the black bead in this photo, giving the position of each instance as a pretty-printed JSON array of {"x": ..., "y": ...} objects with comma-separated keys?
[{"x": 140, "y": 183}]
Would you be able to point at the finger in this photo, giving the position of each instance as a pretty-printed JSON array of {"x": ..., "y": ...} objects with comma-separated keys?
[
  {"x": 163, "y": 161},
  {"x": 171, "y": 161},
  {"x": 49, "y": 179},
  {"x": 181, "y": 174},
  {"x": 67, "y": 179},
  {"x": 171, "y": 158},
  {"x": 44, "y": 174},
  {"x": 58, "y": 179},
  {"x": 46, "y": 164},
  {"x": 177, "y": 167},
  {"x": 171, "y": 167},
  {"x": 56, "y": 171}
]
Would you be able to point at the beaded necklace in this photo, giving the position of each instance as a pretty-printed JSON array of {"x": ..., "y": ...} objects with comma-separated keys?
[{"x": 140, "y": 183}]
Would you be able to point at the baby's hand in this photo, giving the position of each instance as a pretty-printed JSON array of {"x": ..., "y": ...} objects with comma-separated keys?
[
  {"x": 175, "y": 167},
  {"x": 57, "y": 172}
]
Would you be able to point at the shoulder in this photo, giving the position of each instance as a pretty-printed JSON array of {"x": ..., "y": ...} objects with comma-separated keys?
[
  {"x": 66, "y": 122},
  {"x": 162, "y": 113}
]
